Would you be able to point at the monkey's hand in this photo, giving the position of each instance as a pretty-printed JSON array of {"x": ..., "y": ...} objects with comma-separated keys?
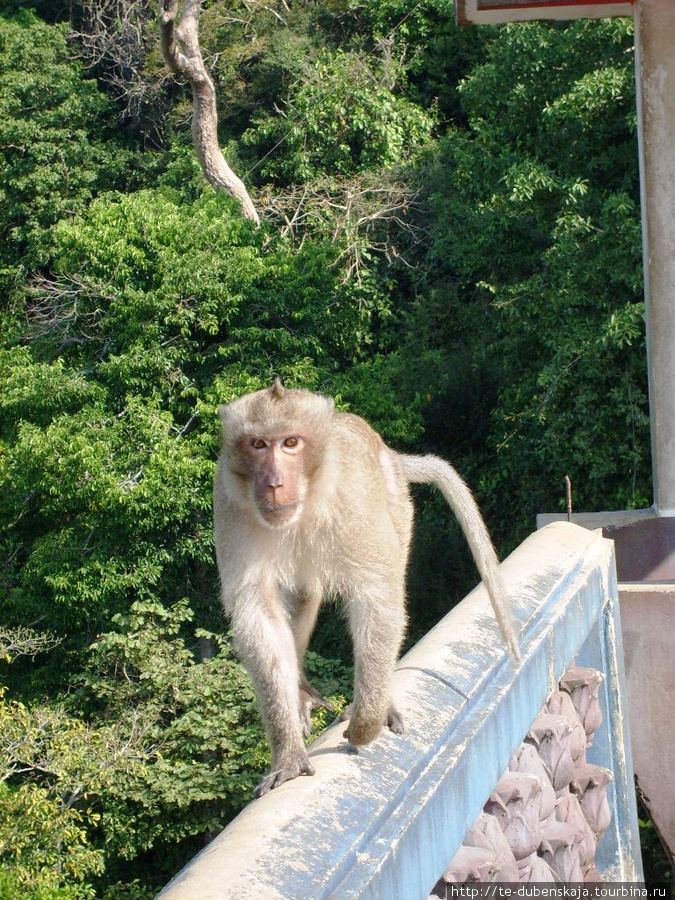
[{"x": 300, "y": 765}]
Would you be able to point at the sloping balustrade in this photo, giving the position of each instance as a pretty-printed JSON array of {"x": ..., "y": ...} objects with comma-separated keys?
[{"x": 387, "y": 821}]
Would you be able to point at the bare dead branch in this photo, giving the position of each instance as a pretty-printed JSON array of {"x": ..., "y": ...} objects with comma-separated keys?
[
  {"x": 118, "y": 37},
  {"x": 362, "y": 216},
  {"x": 181, "y": 52},
  {"x": 66, "y": 308},
  {"x": 17, "y": 642}
]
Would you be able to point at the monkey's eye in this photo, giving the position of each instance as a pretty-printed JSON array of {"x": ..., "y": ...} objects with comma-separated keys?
[
  {"x": 258, "y": 444},
  {"x": 291, "y": 442}
]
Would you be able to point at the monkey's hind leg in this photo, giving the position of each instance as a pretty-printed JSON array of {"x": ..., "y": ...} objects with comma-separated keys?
[{"x": 377, "y": 625}]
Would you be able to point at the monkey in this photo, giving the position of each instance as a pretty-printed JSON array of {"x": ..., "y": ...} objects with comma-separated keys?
[{"x": 310, "y": 502}]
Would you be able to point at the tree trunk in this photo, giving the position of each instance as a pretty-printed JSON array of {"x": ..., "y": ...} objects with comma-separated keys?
[{"x": 180, "y": 49}]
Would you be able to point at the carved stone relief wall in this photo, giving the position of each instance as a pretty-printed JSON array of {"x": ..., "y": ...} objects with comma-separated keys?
[{"x": 544, "y": 819}]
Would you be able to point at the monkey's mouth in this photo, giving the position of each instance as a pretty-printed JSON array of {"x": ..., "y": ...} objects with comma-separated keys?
[{"x": 278, "y": 514}]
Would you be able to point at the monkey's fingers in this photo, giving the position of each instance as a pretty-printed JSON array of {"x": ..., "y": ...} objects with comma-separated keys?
[{"x": 300, "y": 766}]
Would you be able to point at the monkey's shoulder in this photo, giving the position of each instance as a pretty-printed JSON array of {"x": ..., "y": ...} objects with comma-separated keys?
[
  {"x": 357, "y": 432},
  {"x": 369, "y": 462}
]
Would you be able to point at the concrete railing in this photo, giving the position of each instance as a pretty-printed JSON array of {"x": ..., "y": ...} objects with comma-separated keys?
[{"x": 386, "y": 821}]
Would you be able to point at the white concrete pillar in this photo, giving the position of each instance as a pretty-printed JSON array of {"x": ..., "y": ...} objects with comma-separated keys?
[{"x": 655, "y": 71}]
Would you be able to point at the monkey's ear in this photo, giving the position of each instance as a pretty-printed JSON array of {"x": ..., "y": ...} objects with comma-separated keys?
[{"x": 277, "y": 390}]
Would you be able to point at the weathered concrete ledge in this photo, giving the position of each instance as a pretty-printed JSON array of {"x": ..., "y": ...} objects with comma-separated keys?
[{"x": 385, "y": 821}]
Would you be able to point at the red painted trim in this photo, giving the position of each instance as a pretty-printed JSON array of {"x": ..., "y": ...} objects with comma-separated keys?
[{"x": 546, "y": 4}]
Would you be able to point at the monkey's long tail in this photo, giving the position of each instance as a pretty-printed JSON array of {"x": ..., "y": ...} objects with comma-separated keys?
[{"x": 433, "y": 470}]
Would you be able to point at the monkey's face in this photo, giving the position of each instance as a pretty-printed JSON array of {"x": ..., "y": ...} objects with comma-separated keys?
[{"x": 275, "y": 464}]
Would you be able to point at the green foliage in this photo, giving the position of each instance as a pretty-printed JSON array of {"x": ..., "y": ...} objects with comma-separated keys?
[
  {"x": 88, "y": 480},
  {"x": 186, "y": 290},
  {"x": 44, "y": 842},
  {"x": 55, "y": 146},
  {"x": 536, "y": 252},
  {"x": 438, "y": 53},
  {"x": 44, "y": 847},
  {"x": 262, "y": 54},
  {"x": 343, "y": 118},
  {"x": 192, "y": 723}
]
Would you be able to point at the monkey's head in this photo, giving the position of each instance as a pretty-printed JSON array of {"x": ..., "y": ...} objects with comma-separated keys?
[{"x": 275, "y": 440}]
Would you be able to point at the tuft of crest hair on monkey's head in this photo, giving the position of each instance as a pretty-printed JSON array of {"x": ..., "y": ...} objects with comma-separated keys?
[{"x": 277, "y": 390}]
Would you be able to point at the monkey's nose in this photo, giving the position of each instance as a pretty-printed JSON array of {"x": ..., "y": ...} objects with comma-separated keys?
[{"x": 274, "y": 493}]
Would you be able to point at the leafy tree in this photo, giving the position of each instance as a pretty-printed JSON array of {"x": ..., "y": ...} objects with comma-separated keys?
[
  {"x": 57, "y": 148},
  {"x": 191, "y": 726},
  {"x": 536, "y": 272},
  {"x": 44, "y": 844},
  {"x": 344, "y": 118}
]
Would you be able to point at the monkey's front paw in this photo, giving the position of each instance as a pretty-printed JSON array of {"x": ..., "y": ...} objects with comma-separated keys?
[
  {"x": 299, "y": 766},
  {"x": 392, "y": 719},
  {"x": 362, "y": 731}
]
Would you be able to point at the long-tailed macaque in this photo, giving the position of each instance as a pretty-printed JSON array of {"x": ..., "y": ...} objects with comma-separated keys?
[{"x": 310, "y": 502}]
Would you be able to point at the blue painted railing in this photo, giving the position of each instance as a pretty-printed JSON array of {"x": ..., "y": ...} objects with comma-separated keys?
[{"x": 385, "y": 822}]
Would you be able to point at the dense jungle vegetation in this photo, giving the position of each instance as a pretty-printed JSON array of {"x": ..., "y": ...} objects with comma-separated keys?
[{"x": 450, "y": 246}]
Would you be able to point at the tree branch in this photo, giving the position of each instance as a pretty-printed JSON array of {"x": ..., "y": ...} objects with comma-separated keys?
[
  {"x": 180, "y": 48},
  {"x": 363, "y": 215}
]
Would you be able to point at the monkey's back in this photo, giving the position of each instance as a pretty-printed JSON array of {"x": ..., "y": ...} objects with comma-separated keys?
[{"x": 372, "y": 493}]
